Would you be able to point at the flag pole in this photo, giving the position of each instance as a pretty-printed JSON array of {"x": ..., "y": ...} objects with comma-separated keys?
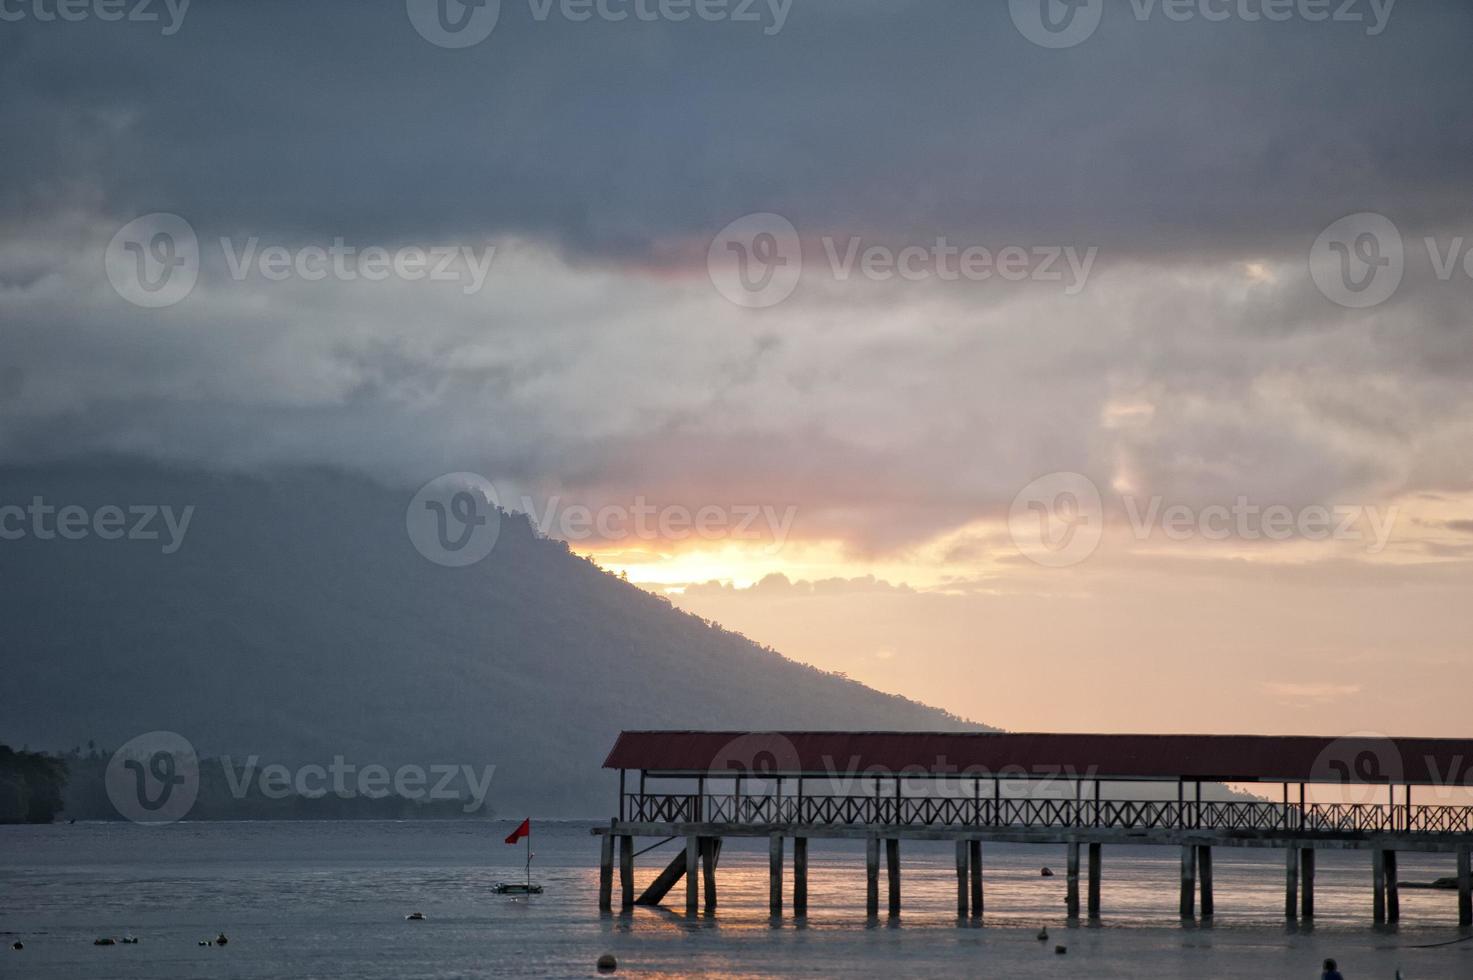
[{"x": 529, "y": 859}]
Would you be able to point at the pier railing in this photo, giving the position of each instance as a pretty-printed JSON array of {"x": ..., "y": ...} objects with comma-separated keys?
[{"x": 899, "y": 810}]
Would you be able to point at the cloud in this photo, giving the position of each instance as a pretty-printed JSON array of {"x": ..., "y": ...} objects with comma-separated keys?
[
  {"x": 778, "y": 585},
  {"x": 599, "y": 364},
  {"x": 1314, "y": 693}
]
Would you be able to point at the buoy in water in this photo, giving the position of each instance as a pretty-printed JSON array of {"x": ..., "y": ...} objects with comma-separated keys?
[
  {"x": 1043, "y": 935},
  {"x": 220, "y": 940},
  {"x": 205, "y": 942},
  {"x": 607, "y": 963},
  {"x": 1046, "y": 873},
  {"x": 415, "y": 917},
  {"x": 1061, "y": 950},
  {"x": 17, "y": 945},
  {"x": 130, "y": 940}
]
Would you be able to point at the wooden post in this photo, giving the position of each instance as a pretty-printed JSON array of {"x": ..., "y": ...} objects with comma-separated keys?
[
  {"x": 1465, "y": 886},
  {"x": 626, "y": 871},
  {"x": 1291, "y": 883},
  {"x": 692, "y": 880},
  {"x": 1204, "y": 875},
  {"x": 961, "y": 878},
  {"x": 1306, "y": 883},
  {"x": 800, "y": 876},
  {"x": 1378, "y": 886},
  {"x": 606, "y": 873},
  {"x": 1188, "y": 881},
  {"x": 892, "y": 872},
  {"x": 710, "y": 851},
  {"x": 1393, "y": 891},
  {"x": 975, "y": 846},
  {"x": 872, "y": 877},
  {"x": 1071, "y": 881},
  {"x": 775, "y": 876},
  {"x": 1094, "y": 881}
]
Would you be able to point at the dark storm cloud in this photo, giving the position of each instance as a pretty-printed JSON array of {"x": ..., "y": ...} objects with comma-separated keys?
[
  {"x": 600, "y": 364},
  {"x": 899, "y": 120}
]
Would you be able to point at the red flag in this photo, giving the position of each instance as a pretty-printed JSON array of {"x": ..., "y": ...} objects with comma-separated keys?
[{"x": 523, "y": 830}]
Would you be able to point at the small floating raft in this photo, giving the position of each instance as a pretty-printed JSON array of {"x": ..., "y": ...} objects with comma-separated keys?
[{"x": 517, "y": 888}]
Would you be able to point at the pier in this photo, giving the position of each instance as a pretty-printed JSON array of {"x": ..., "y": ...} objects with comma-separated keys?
[{"x": 1084, "y": 792}]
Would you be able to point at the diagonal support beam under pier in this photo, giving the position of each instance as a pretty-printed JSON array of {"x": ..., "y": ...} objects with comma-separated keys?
[{"x": 666, "y": 879}]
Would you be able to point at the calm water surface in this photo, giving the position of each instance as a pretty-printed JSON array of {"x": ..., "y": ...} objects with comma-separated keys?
[{"x": 329, "y": 900}]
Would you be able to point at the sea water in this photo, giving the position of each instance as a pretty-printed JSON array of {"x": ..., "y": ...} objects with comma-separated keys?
[{"x": 329, "y": 899}]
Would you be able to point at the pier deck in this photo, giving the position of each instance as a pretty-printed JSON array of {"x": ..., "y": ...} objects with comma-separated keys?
[{"x": 976, "y": 788}]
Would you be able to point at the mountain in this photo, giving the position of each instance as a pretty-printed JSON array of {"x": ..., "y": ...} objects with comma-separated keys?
[{"x": 298, "y": 623}]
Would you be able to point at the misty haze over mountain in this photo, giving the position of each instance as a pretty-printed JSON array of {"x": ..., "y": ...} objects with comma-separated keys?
[{"x": 297, "y": 622}]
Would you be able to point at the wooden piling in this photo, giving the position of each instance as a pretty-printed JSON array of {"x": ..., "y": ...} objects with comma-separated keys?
[
  {"x": 1306, "y": 882},
  {"x": 961, "y": 878},
  {"x": 1188, "y": 881},
  {"x": 775, "y": 876},
  {"x": 1378, "y": 886},
  {"x": 1291, "y": 883},
  {"x": 710, "y": 854},
  {"x": 1094, "y": 881},
  {"x": 892, "y": 869},
  {"x": 626, "y": 871},
  {"x": 1465, "y": 886},
  {"x": 800, "y": 876},
  {"x": 872, "y": 877},
  {"x": 692, "y": 882},
  {"x": 1393, "y": 890},
  {"x": 975, "y": 846},
  {"x": 606, "y": 873},
  {"x": 1204, "y": 876},
  {"x": 1071, "y": 881}
]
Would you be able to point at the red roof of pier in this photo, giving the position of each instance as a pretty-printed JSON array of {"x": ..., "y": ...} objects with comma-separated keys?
[{"x": 1215, "y": 758}]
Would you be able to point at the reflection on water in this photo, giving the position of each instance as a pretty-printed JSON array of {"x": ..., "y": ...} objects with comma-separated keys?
[{"x": 329, "y": 899}]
